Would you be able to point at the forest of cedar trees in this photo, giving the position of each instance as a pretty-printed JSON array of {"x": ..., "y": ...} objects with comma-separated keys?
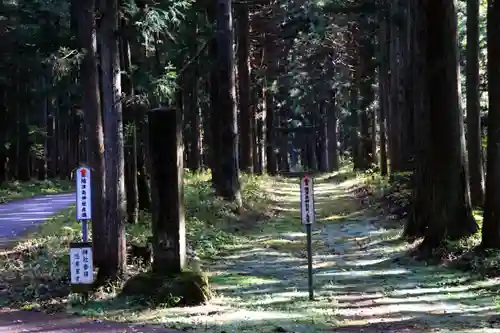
[{"x": 403, "y": 88}]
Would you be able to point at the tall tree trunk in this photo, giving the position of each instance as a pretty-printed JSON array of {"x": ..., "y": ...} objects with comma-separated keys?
[
  {"x": 214, "y": 120},
  {"x": 193, "y": 112},
  {"x": 246, "y": 115},
  {"x": 113, "y": 143},
  {"x": 132, "y": 190},
  {"x": 51, "y": 142},
  {"x": 191, "y": 102},
  {"x": 41, "y": 159},
  {"x": 228, "y": 185},
  {"x": 23, "y": 165},
  {"x": 421, "y": 212},
  {"x": 473, "y": 108},
  {"x": 268, "y": 100},
  {"x": 206, "y": 123},
  {"x": 91, "y": 105},
  {"x": 143, "y": 185},
  {"x": 62, "y": 139},
  {"x": 260, "y": 125},
  {"x": 451, "y": 207},
  {"x": 367, "y": 95},
  {"x": 355, "y": 138},
  {"x": 491, "y": 219},
  {"x": 332, "y": 136},
  {"x": 383, "y": 78},
  {"x": 322, "y": 144}
]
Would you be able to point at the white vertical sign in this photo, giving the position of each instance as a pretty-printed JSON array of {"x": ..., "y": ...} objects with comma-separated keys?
[
  {"x": 87, "y": 265},
  {"x": 83, "y": 194},
  {"x": 307, "y": 200},
  {"x": 81, "y": 267},
  {"x": 75, "y": 255}
]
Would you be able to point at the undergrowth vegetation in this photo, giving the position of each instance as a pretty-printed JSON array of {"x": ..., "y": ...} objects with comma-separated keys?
[
  {"x": 20, "y": 190},
  {"x": 35, "y": 272},
  {"x": 392, "y": 197},
  {"x": 253, "y": 259}
]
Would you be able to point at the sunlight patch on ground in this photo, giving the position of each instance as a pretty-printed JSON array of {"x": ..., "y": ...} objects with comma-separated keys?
[
  {"x": 360, "y": 276},
  {"x": 290, "y": 310},
  {"x": 365, "y": 273}
]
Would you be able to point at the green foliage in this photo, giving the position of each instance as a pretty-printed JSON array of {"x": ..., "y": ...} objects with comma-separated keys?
[
  {"x": 37, "y": 270},
  {"x": 159, "y": 30},
  {"x": 392, "y": 193},
  {"x": 21, "y": 190}
]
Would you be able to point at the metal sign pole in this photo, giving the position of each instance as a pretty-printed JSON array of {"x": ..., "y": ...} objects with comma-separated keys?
[
  {"x": 309, "y": 261},
  {"x": 307, "y": 214}
]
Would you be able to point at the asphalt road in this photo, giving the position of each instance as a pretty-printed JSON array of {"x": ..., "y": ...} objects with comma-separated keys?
[{"x": 17, "y": 216}]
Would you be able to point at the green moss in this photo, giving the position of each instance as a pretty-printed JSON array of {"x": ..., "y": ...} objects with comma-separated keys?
[{"x": 185, "y": 289}]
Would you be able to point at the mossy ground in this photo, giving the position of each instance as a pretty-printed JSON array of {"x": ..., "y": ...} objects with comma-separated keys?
[
  {"x": 189, "y": 288},
  {"x": 257, "y": 268},
  {"x": 21, "y": 190}
]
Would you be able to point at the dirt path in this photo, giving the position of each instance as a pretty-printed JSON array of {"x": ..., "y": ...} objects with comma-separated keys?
[
  {"x": 363, "y": 283},
  {"x": 15, "y": 218}
]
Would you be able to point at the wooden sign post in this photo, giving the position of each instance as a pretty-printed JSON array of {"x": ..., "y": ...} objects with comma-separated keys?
[{"x": 308, "y": 216}]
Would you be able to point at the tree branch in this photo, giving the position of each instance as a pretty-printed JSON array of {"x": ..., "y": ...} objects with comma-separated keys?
[
  {"x": 193, "y": 59},
  {"x": 365, "y": 8}
]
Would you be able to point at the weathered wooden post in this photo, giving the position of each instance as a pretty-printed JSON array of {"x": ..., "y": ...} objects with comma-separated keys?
[{"x": 166, "y": 153}]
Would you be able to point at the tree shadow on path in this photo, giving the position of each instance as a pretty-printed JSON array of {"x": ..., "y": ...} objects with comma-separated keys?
[{"x": 363, "y": 280}]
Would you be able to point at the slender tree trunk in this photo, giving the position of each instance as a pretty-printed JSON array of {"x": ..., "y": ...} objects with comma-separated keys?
[
  {"x": 332, "y": 137},
  {"x": 246, "y": 115},
  {"x": 113, "y": 142},
  {"x": 132, "y": 190},
  {"x": 215, "y": 141},
  {"x": 228, "y": 185},
  {"x": 193, "y": 111},
  {"x": 383, "y": 78},
  {"x": 268, "y": 95},
  {"x": 42, "y": 158},
  {"x": 355, "y": 126},
  {"x": 473, "y": 108},
  {"x": 143, "y": 185},
  {"x": 206, "y": 123},
  {"x": 322, "y": 144},
  {"x": 260, "y": 128},
  {"x": 367, "y": 96},
  {"x": 23, "y": 165},
  {"x": 491, "y": 219},
  {"x": 191, "y": 103},
  {"x": 51, "y": 137}
]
